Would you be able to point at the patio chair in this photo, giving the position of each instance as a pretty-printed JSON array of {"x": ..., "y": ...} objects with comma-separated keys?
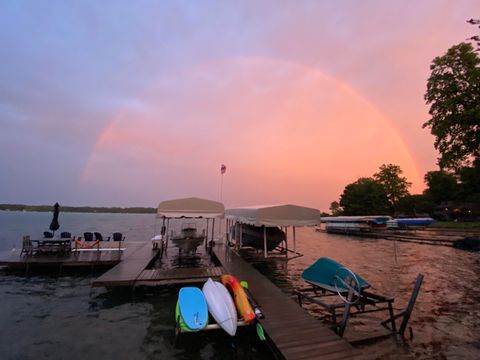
[
  {"x": 88, "y": 236},
  {"x": 65, "y": 235},
  {"x": 99, "y": 237},
  {"x": 47, "y": 235},
  {"x": 27, "y": 246},
  {"x": 117, "y": 236}
]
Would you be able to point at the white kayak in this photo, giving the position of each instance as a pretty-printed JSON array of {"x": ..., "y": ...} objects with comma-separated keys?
[{"x": 221, "y": 306}]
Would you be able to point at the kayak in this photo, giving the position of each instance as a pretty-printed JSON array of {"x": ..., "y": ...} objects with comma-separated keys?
[
  {"x": 221, "y": 306},
  {"x": 191, "y": 311},
  {"x": 240, "y": 297}
]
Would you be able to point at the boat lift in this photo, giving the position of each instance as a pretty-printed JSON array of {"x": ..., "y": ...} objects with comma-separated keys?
[
  {"x": 187, "y": 208},
  {"x": 282, "y": 216},
  {"x": 356, "y": 300}
]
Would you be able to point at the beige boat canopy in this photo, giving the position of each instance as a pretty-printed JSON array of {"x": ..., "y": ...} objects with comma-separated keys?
[
  {"x": 191, "y": 208},
  {"x": 276, "y": 215}
]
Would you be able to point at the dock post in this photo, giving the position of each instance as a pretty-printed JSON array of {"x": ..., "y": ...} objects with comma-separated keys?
[
  {"x": 213, "y": 232},
  {"x": 286, "y": 242},
  {"x": 240, "y": 232},
  {"x": 346, "y": 312},
  {"x": 227, "y": 233},
  {"x": 168, "y": 226},
  {"x": 206, "y": 235},
  {"x": 294, "y": 241},
  {"x": 265, "y": 241},
  {"x": 411, "y": 304}
]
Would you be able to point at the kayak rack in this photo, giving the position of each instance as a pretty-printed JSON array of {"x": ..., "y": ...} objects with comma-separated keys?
[{"x": 215, "y": 326}]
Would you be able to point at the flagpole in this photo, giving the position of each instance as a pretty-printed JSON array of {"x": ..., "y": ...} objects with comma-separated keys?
[
  {"x": 223, "y": 168},
  {"x": 221, "y": 188}
]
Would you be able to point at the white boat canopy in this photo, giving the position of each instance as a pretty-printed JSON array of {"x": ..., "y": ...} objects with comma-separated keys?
[
  {"x": 276, "y": 215},
  {"x": 191, "y": 208}
]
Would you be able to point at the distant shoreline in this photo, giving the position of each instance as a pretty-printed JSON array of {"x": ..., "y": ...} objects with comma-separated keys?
[{"x": 80, "y": 209}]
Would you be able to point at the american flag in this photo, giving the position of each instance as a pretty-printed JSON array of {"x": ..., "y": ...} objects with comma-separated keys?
[{"x": 223, "y": 168}]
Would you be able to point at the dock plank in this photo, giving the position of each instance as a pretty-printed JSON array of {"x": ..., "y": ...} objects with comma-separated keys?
[
  {"x": 129, "y": 270},
  {"x": 179, "y": 275},
  {"x": 302, "y": 336}
]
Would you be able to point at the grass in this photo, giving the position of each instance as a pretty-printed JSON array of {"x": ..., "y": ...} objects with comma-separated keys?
[{"x": 456, "y": 225}]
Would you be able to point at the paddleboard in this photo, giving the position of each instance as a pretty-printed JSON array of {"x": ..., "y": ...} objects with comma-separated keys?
[
  {"x": 192, "y": 308},
  {"x": 221, "y": 306},
  {"x": 240, "y": 297}
]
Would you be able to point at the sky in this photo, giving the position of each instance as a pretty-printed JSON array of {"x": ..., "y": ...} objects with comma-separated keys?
[{"x": 129, "y": 103}]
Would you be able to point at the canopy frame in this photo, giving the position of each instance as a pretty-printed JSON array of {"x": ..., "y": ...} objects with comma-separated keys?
[
  {"x": 283, "y": 216},
  {"x": 190, "y": 208}
]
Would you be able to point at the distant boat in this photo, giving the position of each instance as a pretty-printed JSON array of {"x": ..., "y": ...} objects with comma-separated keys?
[
  {"x": 189, "y": 239},
  {"x": 409, "y": 223},
  {"x": 355, "y": 224},
  {"x": 253, "y": 236}
]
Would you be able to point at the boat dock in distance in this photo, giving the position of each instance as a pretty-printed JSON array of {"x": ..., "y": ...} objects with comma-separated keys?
[{"x": 106, "y": 254}]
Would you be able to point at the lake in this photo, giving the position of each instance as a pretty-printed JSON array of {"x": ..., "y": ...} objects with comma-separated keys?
[{"x": 59, "y": 316}]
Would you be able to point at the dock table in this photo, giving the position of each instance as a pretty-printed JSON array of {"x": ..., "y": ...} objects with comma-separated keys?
[{"x": 53, "y": 246}]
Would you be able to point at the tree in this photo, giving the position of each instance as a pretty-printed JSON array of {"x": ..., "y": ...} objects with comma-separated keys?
[
  {"x": 442, "y": 186},
  {"x": 364, "y": 197},
  {"x": 475, "y": 38},
  {"x": 415, "y": 205},
  {"x": 453, "y": 93},
  {"x": 469, "y": 189},
  {"x": 395, "y": 185},
  {"x": 335, "y": 208}
]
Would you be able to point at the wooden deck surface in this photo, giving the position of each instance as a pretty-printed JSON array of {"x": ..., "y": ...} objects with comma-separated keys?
[
  {"x": 294, "y": 333},
  {"x": 153, "y": 277},
  {"x": 133, "y": 271},
  {"x": 109, "y": 255},
  {"x": 131, "y": 267}
]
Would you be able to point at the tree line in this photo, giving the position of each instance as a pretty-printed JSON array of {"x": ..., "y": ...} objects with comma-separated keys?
[
  {"x": 453, "y": 191},
  {"x": 82, "y": 209}
]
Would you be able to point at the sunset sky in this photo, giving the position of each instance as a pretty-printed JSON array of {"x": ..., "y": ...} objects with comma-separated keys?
[{"x": 128, "y": 103}]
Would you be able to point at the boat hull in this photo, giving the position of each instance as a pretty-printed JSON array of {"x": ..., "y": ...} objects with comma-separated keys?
[
  {"x": 409, "y": 223},
  {"x": 356, "y": 224},
  {"x": 253, "y": 236},
  {"x": 188, "y": 244},
  {"x": 324, "y": 271}
]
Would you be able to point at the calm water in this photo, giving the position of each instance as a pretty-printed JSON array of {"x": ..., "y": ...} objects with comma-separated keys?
[{"x": 59, "y": 316}]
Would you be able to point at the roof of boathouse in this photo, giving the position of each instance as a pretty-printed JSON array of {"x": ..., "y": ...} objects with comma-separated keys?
[
  {"x": 275, "y": 215},
  {"x": 191, "y": 208}
]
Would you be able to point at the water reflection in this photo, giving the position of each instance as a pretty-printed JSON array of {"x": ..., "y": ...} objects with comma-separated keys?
[
  {"x": 446, "y": 317},
  {"x": 60, "y": 316}
]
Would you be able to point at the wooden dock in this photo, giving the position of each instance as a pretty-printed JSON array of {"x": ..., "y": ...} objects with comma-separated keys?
[
  {"x": 108, "y": 255},
  {"x": 127, "y": 272},
  {"x": 134, "y": 271},
  {"x": 155, "y": 277},
  {"x": 292, "y": 332},
  {"x": 401, "y": 236}
]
